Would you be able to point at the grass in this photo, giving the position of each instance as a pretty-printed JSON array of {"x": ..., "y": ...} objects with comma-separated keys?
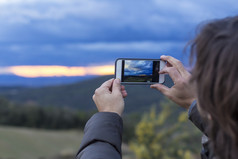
[
  {"x": 138, "y": 78},
  {"x": 26, "y": 143}
]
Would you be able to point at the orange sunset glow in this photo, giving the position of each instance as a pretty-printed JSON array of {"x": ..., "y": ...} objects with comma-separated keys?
[{"x": 58, "y": 71}]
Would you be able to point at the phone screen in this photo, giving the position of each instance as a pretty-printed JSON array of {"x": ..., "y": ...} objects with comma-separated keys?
[{"x": 140, "y": 71}]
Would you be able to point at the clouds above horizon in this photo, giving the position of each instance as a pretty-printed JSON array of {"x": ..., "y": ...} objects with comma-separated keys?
[
  {"x": 84, "y": 54},
  {"x": 137, "y": 68},
  {"x": 87, "y": 32}
]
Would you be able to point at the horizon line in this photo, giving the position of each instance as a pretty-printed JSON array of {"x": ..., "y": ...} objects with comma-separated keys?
[{"x": 31, "y": 71}]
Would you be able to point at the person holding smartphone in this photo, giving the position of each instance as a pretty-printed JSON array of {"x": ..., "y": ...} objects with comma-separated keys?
[{"x": 209, "y": 94}]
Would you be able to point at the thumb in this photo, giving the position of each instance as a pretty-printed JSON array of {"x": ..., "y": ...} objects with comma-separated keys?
[
  {"x": 116, "y": 88},
  {"x": 160, "y": 87}
]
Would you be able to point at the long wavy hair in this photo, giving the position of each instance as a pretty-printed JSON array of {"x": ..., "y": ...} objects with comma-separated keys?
[{"x": 215, "y": 52}]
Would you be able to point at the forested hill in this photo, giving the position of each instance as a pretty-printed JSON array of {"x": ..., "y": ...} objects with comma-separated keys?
[{"x": 79, "y": 95}]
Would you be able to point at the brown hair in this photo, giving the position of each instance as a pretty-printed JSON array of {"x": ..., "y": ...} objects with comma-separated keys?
[{"x": 215, "y": 50}]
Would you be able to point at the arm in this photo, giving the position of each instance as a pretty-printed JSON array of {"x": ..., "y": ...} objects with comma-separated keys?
[
  {"x": 103, "y": 132},
  {"x": 184, "y": 94},
  {"x": 195, "y": 118},
  {"x": 103, "y": 137}
]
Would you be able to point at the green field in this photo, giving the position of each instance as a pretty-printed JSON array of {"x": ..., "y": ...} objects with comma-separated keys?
[
  {"x": 138, "y": 78},
  {"x": 26, "y": 143}
]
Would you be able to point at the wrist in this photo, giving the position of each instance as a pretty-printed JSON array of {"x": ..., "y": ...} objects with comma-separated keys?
[
  {"x": 190, "y": 102},
  {"x": 111, "y": 111}
]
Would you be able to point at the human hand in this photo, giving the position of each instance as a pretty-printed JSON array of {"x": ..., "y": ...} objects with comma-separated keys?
[
  {"x": 109, "y": 97},
  {"x": 183, "y": 92}
]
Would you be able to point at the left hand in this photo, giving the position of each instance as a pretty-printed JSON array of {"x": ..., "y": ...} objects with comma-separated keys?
[{"x": 109, "y": 97}]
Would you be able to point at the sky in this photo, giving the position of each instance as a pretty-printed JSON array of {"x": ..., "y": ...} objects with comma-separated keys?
[
  {"x": 75, "y": 35},
  {"x": 138, "y": 68}
]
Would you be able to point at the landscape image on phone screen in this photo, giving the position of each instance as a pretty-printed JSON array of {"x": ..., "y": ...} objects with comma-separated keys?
[{"x": 141, "y": 71}]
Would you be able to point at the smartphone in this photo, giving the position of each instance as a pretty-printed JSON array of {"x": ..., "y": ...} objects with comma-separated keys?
[{"x": 139, "y": 71}]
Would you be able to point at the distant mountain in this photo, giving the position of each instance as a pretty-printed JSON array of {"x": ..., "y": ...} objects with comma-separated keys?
[
  {"x": 12, "y": 80},
  {"x": 79, "y": 95}
]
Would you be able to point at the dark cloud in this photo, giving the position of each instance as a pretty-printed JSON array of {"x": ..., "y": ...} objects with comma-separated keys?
[
  {"x": 71, "y": 32},
  {"x": 138, "y": 67},
  {"x": 83, "y": 54}
]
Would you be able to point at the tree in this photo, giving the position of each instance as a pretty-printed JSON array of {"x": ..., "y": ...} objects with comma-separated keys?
[
  {"x": 167, "y": 135},
  {"x": 41, "y": 117}
]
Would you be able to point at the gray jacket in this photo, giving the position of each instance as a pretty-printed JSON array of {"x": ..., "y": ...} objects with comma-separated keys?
[
  {"x": 103, "y": 136},
  {"x": 195, "y": 118}
]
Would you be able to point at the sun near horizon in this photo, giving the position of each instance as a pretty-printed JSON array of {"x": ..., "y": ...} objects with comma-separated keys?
[{"x": 57, "y": 71}]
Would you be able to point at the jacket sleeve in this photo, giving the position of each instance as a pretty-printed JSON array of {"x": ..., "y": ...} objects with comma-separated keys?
[
  {"x": 102, "y": 137},
  {"x": 195, "y": 117}
]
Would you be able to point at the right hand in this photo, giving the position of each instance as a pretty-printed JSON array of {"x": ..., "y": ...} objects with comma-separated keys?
[{"x": 182, "y": 93}]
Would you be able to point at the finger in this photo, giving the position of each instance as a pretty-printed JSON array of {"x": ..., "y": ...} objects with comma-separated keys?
[
  {"x": 123, "y": 88},
  {"x": 124, "y": 93},
  {"x": 168, "y": 64},
  {"x": 162, "y": 88},
  {"x": 105, "y": 87},
  {"x": 175, "y": 63},
  {"x": 171, "y": 60},
  {"x": 93, "y": 97},
  {"x": 107, "y": 84},
  {"x": 116, "y": 87},
  {"x": 173, "y": 73},
  {"x": 162, "y": 72}
]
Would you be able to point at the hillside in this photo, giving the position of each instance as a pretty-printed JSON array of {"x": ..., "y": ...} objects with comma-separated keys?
[
  {"x": 79, "y": 95},
  {"x": 12, "y": 80}
]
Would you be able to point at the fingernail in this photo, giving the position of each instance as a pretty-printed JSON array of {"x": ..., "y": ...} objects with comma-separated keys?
[{"x": 117, "y": 80}]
